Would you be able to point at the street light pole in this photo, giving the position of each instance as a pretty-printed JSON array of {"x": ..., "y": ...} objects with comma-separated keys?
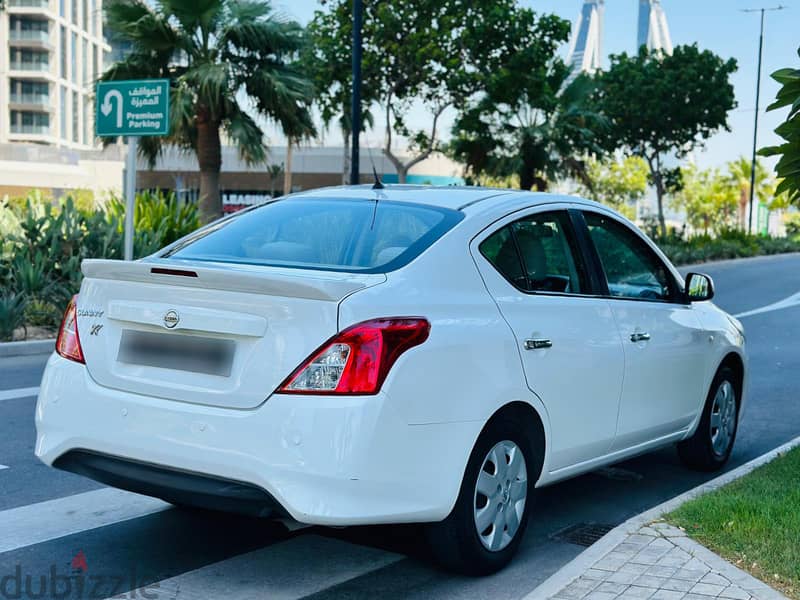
[
  {"x": 358, "y": 8},
  {"x": 755, "y": 120}
]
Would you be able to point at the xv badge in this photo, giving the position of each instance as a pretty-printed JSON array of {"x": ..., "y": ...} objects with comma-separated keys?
[{"x": 96, "y": 329}]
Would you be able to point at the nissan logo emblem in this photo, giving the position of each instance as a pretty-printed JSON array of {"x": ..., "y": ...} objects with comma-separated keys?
[{"x": 171, "y": 319}]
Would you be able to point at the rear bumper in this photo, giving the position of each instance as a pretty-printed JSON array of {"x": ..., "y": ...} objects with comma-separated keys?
[
  {"x": 178, "y": 487},
  {"x": 322, "y": 460}
]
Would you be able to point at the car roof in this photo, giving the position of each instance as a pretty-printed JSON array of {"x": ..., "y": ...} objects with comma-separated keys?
[
  {"x": 470, "y": 199},
  {"x": 452, "y": 197}
]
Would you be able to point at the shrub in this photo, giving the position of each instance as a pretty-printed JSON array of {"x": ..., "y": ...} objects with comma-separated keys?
[
  {"x": 159, "y": 219},
  {"x": 729, "y": 243},
  {"x": 41, "y": 313},
  {"x": 42, "y": 244},
  {"x": 792, "y": 223},
  {"x": 12, "y": 314},
  {"x": 29, "y": 274}
]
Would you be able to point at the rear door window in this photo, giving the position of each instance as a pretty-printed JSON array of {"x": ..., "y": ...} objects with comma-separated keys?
[
  {"x": 538, "y": 254},
  {"x": 329, "y": 234}
]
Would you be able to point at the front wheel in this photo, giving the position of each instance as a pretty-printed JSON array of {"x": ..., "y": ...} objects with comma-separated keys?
[
  {"x": 711, "y": 445},
  {"x": 486, "y": 525}
]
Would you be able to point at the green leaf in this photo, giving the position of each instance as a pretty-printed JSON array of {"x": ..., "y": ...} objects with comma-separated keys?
[{"x": 786, "y": 75}]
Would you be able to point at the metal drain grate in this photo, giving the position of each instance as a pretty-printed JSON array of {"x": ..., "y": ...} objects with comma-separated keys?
[{"x": 583, "y": 534}]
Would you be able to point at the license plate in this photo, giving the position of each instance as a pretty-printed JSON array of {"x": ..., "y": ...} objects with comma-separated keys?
[{"x": 191, "y": 353}]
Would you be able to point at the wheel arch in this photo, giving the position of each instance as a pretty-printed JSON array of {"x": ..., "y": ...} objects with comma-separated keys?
[
  {"x": 525, "y": 413},
  {"x": 736, "y": 363},
  {"x": 733, "y": 361}
]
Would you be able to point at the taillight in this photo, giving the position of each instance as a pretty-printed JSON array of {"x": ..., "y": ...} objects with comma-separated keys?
[
  {"x": 68, "y": 344},
  {"x": 357, "y": 360}
]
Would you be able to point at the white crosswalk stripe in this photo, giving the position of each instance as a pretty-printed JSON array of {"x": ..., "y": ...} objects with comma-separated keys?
[
  {"x": 18, "y": 393},
  {"x": 43, "y": 521},
  {"x": 279, "y": 572}
]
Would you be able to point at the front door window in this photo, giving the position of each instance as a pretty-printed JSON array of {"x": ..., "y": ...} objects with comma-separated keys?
[{"x": 631, "y": 268}]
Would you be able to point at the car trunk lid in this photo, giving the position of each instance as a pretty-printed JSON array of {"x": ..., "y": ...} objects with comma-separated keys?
[{"x": 205, "y": 333}]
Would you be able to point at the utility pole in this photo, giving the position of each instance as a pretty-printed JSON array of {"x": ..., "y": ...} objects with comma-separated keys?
[
  {"x": 755, "y": 120},
  {"x": 358, "y": 10}
]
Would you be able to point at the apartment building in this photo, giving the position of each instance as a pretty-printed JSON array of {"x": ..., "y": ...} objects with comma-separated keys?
[{"x": 51, "y": 52}]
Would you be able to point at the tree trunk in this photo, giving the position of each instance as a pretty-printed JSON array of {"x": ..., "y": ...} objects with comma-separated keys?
[
  {"x": 529, "y": 180},
  {"x": 655, "y": 172},
  {"x": 209, "y": 157},
  {"x": 526, "y": 178},
  {"x": 744, "y": 200},
  {"x": 662, "y": 224},
  {"x": 346, "y": 158},
  {"x": 529, "y": 151},
  {"x": 287, "y": 171},
  {"x": 403, "y": 168},
  {"x": 402, "y": 174}
]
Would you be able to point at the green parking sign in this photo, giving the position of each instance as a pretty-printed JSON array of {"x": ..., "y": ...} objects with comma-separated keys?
[{"x": 135, "y": 108}]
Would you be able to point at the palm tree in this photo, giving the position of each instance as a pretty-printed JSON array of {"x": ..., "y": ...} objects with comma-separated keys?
[
  {"x": 220, "y": 57},
  {"x": 537, "y": 137},
  {"x": 566, "y": 133},
  {"x": 739, "y": 171}
]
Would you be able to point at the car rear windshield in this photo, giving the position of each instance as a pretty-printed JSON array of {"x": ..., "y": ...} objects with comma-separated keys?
[{"x": 330, "y": 234}]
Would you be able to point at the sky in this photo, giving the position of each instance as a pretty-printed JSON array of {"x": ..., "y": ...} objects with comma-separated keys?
[{"x": 717, "y": 25}]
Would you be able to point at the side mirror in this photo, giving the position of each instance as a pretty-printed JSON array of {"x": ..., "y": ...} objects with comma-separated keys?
[{"x": 699, "y": 287}]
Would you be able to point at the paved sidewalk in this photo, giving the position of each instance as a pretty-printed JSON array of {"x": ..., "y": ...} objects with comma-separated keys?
[
  {"x": 646, "y": 558},
  {"x": 659, "y": 562}
]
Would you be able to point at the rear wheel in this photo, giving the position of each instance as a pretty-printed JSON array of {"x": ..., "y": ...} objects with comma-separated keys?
[
  {"x": 486, "y": 525},
  {"x": 711, "y": 445}
]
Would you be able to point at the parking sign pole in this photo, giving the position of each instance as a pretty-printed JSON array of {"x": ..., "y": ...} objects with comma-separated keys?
[
  {"x": 130, "y": 193},
  {"x": 132, "y": 108}
]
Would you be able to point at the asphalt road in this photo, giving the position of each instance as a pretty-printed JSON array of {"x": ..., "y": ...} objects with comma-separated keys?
[{"x": 51, "y": 522}]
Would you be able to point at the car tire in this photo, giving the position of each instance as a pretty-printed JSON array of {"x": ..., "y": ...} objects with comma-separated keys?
[
  {"x": 711, "y": 445},
  {"x": 456, "y": 543}
]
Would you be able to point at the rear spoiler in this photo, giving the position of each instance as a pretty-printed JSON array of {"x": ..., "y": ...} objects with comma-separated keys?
[{"x": 256, "y": 279}]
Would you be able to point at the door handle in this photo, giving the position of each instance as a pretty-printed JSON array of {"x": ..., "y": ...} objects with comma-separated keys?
[
  {"x": 640, "y": 336},
  {"x": 537, "y": 344}
]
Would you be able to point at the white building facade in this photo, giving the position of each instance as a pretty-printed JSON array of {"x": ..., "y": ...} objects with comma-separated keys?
[{"x": 51, "y": 52}]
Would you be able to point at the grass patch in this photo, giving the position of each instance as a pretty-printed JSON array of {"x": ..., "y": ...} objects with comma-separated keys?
[{"x": 753, "y": 522}]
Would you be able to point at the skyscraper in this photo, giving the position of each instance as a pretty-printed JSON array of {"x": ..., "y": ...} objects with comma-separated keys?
[
  {"x": 51, "y": 52},
  {"x": 586, "y": 44},
  {"x": 653, "y": 31}
]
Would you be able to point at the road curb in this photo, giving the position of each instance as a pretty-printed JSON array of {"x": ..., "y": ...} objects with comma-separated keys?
[
  {"x": 584, "y": 561},
  {"x": 726, "y": 261},
  {"x": 27, "y": 348}
]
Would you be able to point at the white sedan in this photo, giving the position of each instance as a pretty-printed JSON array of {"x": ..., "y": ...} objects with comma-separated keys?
[{"x": 354, "y": 356}]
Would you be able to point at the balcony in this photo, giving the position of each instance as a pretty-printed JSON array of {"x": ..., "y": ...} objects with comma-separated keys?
[
  {"x": 38, "y": 100},
  {"x": 29, "y": 36},
  {"x": 29, "y": 4},
  {"x": 33, "y": 66},
  {"x": 30, "y": 129}
]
